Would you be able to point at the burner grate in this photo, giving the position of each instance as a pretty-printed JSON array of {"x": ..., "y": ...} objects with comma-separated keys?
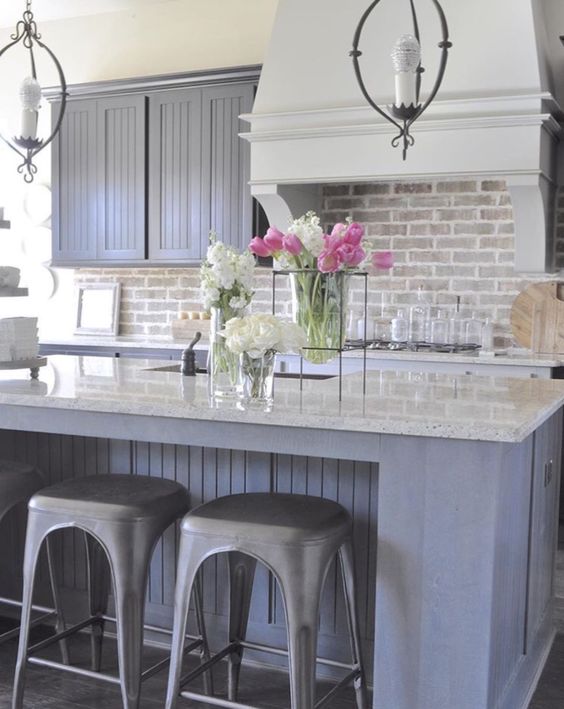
[{"x": 390, "y": 346}]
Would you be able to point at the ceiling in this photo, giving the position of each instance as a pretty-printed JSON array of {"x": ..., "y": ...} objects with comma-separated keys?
[{"x": 45, "y": 10}]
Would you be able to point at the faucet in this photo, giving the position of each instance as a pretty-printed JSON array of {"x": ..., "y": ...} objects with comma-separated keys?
[{"x": 188, "y": 358}]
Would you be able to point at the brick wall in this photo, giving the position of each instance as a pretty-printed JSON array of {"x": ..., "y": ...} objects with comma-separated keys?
[{"x": 449, "y": 238}]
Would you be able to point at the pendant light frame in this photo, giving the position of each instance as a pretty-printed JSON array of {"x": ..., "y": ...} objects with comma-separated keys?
[
  {"x": 27, "y": 148},
  {"x": 403, "y": 117}
]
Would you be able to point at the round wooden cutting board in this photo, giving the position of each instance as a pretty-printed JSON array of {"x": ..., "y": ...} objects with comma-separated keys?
[{"x": 537, "y": 317}]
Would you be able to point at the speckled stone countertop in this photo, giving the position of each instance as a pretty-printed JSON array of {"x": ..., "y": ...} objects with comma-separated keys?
[
  {"x": 407, "y": 403},
  {"x": 133, "y": 341},
  {"x": 515, "y": 356}
]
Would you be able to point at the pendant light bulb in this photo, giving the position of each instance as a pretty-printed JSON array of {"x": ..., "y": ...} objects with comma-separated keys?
[
  {"x": 30, "y": 94},
  {"x": 406, "y": 53}
]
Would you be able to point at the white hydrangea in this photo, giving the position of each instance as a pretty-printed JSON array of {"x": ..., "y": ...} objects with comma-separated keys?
[
  {"x": 308, "y": 230},
  {"x": 261, "y": 333},
  {"x": 226, "y": 278}
]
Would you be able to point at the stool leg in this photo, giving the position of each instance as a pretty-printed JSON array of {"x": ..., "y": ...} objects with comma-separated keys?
[
  {"x": 130, "y": 557},
  {"x": 347, "y": 569},
  {"x": 241, "y": 576},
  {"x": 98, "y": 592},
  {"x": 60, "y": 620},
  {"x": 35, "y": 534},
  {"x": 190, "y": 557},
  {"x": 201, "y": 625},
  {"x": 301, "y": 587}
]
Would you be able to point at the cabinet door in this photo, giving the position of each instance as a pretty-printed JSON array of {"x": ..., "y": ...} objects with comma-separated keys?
[
  {"x": 226, "y": 164},
  {"x": 74, "y": 185},
  {"x": 121, "y": 192},
  {"x": 175, "y": 159}
]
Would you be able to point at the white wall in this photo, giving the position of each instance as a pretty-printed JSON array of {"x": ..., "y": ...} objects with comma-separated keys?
[{"x": 158, "y": 38}]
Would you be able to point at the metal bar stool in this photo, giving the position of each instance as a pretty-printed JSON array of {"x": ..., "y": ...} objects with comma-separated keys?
[
  {"x": 296, "y": 537},
  {"x": 124, "y": 517},
  {"x": 18, "y": 482}
]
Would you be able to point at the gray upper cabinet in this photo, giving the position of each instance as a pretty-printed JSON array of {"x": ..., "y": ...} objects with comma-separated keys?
[
  {"x": 120, "y": 194},
  {"x": 99, "y": 182},
  {"x": 75, "y": 215},
  {"x": 175, "y": 175},
  {"x": 226, "y": 164},
  {"x": 143, "y": 170}
]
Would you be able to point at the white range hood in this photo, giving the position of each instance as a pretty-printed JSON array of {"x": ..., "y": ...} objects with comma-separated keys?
[{"x": 497, "y": 113}]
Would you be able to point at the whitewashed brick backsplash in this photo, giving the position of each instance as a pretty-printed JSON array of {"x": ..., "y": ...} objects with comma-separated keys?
[{"x": 451, "y": 238}]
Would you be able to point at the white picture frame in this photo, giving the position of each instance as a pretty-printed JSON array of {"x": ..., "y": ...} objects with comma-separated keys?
[{"x": 97, "y": 308}]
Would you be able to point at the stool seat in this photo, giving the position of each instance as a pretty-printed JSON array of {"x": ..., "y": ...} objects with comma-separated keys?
[
  {"x": 128, "y": 498},
  {"x": 18, "y": 482},
  {"x": 270, "y": 518}
]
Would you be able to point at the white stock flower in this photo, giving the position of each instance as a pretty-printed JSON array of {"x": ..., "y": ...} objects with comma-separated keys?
[
  {"x": 237, "y": 302},
  {"x": 308, "y": 230},
  {"x": 226, "y": 278}
]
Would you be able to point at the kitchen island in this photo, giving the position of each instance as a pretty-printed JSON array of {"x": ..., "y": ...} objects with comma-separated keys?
[{"x": 452, "y": 482}]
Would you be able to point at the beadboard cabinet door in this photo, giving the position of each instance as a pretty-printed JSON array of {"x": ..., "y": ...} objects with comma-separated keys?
[
  {"x": 226, "y": 164},
  {"x": 121, "y": 127},
  {"x": 99, "y": 182},
  {"x": 175, "y": 181},
  {"x": 75, "y": 170}
]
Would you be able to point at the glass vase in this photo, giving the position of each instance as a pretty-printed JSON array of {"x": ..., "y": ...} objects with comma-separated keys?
[
  {"x": 320, "y": 304},
  {"x": 222, "y": 363},
  {"x": 256, "y": 379}
]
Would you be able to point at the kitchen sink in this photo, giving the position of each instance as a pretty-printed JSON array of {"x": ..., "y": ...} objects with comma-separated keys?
[{"x": 278, "y": 375}]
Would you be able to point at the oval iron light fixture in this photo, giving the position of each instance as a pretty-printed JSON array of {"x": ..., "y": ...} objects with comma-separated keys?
[
  {"x": 27, "y": 145},
  {"x": 406, "y": 59}
]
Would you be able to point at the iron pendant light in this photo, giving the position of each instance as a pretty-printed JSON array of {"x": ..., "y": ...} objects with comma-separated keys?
[
  {"x": 27, "y": 145},
  {"x": 406, "y": 57}
]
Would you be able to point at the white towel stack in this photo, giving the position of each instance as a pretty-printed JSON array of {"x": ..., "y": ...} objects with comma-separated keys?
[{"x": 18, "y": 339}]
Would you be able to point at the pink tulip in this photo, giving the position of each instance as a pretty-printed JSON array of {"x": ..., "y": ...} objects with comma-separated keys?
[
  {"x": 274, "y": 239},
  {"x": 354, "y": 233},
  {"x": 258, "y": 247},
  {"x": 382, "y": 259},
  {"x": 329, "y": 261},
  {"x": 292, "y": 244},
  {"x": 351, "y": 255},
  {"x": 338, "y": 230},
  {"x": 332, "y": 241}
]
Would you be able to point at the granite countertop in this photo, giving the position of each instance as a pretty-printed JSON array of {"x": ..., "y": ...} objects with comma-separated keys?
[
  {"x": 515, "y": 356},
  {"x": 130, "y": 341},
  {"x": 430, "y": 404}
]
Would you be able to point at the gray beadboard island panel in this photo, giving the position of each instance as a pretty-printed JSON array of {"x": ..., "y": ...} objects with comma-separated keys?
[
  {"x": 453, "y": 536},
  {"x": 209, "y": 473}
]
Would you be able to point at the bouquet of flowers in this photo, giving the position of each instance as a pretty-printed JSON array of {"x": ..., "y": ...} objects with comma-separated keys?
[
  {"x": 320, "y": 265},
  {"x": 256, "y": 339},
  {"x": 226, "y": 279},
  {"x": 305, "y": 246},
  {"x": 226, "y": 290},
  {"x": 260, "y": 334}
]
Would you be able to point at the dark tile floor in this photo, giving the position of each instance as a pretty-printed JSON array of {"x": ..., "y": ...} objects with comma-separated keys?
[{"x": 49, "y": 689}]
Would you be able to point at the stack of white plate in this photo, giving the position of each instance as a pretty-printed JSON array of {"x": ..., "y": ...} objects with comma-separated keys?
[{"x": 18, "y": 339}]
